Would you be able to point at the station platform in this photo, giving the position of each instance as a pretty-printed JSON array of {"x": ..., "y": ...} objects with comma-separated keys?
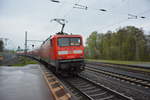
[{"x": 23, "y": 83}]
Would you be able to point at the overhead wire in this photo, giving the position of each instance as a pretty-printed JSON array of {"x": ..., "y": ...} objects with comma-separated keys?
[
  {"x": 85, "y": 7},
  {"x": 121, "y": 21},
  {"x": 70, "y": 9},
  {"x": 67, "y": 14},
  {"x": 80, "y": 6}
]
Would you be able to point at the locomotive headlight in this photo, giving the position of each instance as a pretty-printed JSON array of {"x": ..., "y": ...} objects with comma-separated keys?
[
  {"x": 62, "y": 52},
  {"x": 77, "y": 51}
]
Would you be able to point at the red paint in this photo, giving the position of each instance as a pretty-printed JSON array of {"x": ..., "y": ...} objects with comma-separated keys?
[{"x": 49, "y": 49}]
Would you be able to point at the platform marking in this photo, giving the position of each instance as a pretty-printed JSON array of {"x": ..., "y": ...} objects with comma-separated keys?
[{"x": 57, "y": 89}]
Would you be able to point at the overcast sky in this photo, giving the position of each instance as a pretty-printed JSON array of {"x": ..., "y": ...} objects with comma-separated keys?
[{"x": 18, "y": 16}]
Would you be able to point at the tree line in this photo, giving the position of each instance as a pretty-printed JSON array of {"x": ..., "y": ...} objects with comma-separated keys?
[{"x": 127, "y": 43}]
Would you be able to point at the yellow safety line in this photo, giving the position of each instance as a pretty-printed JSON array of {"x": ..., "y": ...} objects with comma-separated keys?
[{"x": 67, "y": 96}]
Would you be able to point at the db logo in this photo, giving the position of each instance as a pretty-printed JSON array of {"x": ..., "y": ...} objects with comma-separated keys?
[{"x": 70, "y": 52}]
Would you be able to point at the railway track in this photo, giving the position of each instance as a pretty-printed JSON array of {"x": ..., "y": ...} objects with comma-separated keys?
[
  {"x": 133, "y": 80},
  {"x": 94, "y": 91},
  {"x": 122, "y": 66}
]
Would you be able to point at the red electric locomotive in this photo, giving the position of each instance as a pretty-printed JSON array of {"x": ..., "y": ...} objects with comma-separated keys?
[{"x": 64, "y": 52}]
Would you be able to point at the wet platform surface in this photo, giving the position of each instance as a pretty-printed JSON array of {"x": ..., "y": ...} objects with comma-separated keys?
[{"x": 23, "y": 83}]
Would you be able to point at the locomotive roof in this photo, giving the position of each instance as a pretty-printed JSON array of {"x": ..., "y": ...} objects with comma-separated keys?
[{"x": 56, "y": 36}]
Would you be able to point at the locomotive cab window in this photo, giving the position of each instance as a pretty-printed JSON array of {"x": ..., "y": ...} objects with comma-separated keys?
[
  {"x": 69, "y": 41},
  {"x": 75, "y": 41},
  {"x": 63, "y": 42}
]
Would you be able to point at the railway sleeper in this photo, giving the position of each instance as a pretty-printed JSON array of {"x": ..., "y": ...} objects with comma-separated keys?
[
  {"x": 83, "y": 86},
  {"x": 89, "y": 88},
  {"x": 102, "y": 96},
  {"x": 96, "y": 91}
]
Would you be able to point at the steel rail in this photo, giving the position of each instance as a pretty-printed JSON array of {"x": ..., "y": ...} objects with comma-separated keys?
[
  {"x": 74, "y": 87},
  {"x": 103, "y": 92},
  {"x": 113, "y": 64},
  {"x": 132, "y": 79}
]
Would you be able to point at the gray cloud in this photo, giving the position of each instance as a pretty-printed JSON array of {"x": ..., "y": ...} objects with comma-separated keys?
[{"x": 18, "y": 16}]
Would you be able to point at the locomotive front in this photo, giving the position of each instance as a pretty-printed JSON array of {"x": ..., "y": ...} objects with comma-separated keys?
[{"x": 70, "y": 53}]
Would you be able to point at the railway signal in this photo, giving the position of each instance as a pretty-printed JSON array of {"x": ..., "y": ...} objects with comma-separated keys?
[
  {"x": 26, "y": 42},
  {"x": 19, "y": 48}
]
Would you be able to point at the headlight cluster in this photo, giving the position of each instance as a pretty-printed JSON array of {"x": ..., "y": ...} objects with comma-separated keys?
[
  {"x": 62, "y": 52},
  {"x": 77, "y": 51},
  {"x": 67, "y": 52}
]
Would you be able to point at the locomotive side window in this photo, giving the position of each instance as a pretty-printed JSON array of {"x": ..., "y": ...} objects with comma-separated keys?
[{"x": 75, "y": 41}]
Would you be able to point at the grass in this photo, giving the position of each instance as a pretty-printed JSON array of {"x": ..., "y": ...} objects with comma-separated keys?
[
  {"x": 119, "y": 61},
  {"x": 24, "y": 61}
]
